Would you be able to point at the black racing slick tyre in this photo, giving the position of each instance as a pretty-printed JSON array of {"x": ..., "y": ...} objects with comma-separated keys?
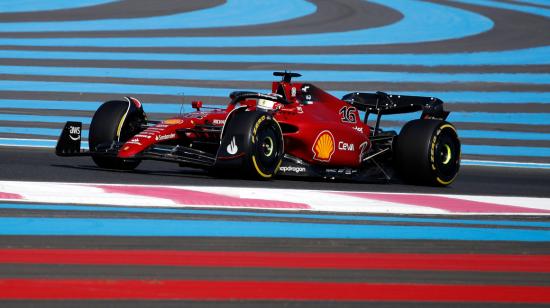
[
  {"x": 427, "y": 152},
  {"x": 114, "y": 121},
  {"x": 252, "y": 145}
]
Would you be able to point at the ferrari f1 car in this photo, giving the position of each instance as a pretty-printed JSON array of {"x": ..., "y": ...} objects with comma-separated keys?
[{"x": 297, "y": 130}]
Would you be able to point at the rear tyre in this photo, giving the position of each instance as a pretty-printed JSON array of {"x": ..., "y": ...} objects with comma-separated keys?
[
  {"x": 259, "y": 139},
  {"x": 427, "y": 152},
  {"x": 114, "y": 121}
]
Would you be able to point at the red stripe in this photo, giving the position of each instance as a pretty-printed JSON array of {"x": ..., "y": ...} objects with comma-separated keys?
[
  {"x": 376, "y": 261},
  {"x": 262, "y": 290}
]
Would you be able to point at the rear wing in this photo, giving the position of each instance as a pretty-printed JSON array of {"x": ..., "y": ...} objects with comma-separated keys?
[{"x": 381, "y": 103}]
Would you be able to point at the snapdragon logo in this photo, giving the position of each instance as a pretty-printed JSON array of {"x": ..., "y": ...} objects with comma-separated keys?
[{"x": 292, "y": 169}]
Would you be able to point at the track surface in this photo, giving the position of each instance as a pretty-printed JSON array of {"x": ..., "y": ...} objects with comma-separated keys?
[
  {"x": 487, "y": 59},
  {"x": 42, "y": 165}
]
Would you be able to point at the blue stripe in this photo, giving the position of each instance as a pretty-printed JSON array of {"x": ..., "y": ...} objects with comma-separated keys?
[
  {"x": 455, "y": 117},
  {"x": 217, "y": 228},
  {"x": 35, "y": 131},
  {"x": 422, "y": 22},
  {"x": 43, "y": 118},
  {"x": 58, "y": 207},
  {"x": 132, "y": 89},
  {"x": 469, "y": 162},
  {"x": 43, "y": 143},
  {"x": 529, "y": 56},
  {"x": 262, "y": 75},
  {"x": 505, "y": 150},
  {"x": 510, "y": 6},
  {"x": 91, "y": 106},
  {"x": 231, "y": 14},
  {"x": 9, "y": 6},
  {"x": 482, "y": 117},
  {"x": 492, "y": 134}
]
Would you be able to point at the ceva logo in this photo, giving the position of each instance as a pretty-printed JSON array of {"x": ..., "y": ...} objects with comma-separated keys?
[{"x": 323, "y": 147}]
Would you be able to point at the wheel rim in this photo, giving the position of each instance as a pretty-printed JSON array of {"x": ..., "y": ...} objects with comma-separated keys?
[
  {"x": 447, "y": 155},
  {"x": 267, "y": 146}
]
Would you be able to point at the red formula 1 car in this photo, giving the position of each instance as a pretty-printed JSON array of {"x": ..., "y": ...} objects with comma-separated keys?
[{"x": 297, "y": 130}]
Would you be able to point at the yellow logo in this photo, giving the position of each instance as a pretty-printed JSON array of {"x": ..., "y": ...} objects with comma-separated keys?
[
  {"x": 323, "y": 147},
  {"x": 173, "y": 121}
]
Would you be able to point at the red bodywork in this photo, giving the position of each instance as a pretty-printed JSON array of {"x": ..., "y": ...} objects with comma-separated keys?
[{"x": 317, "y": 127}]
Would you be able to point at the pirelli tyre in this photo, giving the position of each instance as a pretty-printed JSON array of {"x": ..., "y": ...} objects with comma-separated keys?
[
  {"x": 427, "y": 152},
  {"x": 252, "y": 145},
  {"x": 114, "y": 121}
]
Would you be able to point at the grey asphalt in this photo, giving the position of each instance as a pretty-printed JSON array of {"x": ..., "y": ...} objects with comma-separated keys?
[{"x": 42, "y": 165}]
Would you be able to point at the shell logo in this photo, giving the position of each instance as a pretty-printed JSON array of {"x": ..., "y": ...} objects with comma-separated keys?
[{"x": 323, "y": 147}]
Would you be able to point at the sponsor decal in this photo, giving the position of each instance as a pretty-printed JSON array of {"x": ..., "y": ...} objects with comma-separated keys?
[
  {"x": 134, "y": 141},
  {"x": 74, "y": 133},
  {"x": 293, "y": 92},
  {"x": 165, "y": 137},
  {"x": 232, "y": 147},
  {"x": 218, "y": 122},
  {"x": 323, "y": 147},
  {"x": 358, "y": 128},
  {"x": 260, "y": 120},
  {"x": 143, "y": 136},
  {"x": 344, "y": 146},
  {"x": 348, "y": 114},
  {"x": 292, "y": 169},
  {"x": 173, "y": 121}
]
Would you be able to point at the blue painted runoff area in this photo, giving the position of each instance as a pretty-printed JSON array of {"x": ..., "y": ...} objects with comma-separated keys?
[
  {"x": 208, "y": 212},
  {"x": 134, "y": 89},
  {"x": 17, "y": 6},
  {"x": 422, "y": 22},
  {"x": 220, "y": 228},
  {"x": 263, "y": 75},
  {"x": 230, "y": 14},
  {"x": 455, "y": 117},
  {"x": 529, "y": 56}
]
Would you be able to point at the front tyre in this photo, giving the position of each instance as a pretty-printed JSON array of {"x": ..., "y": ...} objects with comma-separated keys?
[
  {"x": 114, "y": 121},
  {"x": 427, "y": 152}
]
